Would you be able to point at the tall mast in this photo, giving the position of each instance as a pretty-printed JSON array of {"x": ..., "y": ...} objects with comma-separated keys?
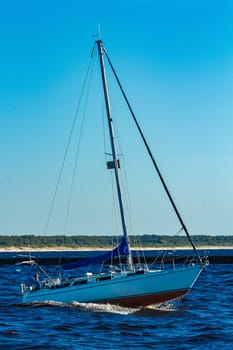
[{"x": 115, "y": 163}]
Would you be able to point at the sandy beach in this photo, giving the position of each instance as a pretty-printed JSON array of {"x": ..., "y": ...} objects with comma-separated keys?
[{"x": 62, "y": 248}]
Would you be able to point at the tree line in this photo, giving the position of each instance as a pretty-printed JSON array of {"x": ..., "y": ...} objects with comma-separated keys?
[{"x": 84, "y": 241}]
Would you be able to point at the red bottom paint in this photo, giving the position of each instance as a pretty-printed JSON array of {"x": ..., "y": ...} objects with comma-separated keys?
[{"x": 149, "y": 299}]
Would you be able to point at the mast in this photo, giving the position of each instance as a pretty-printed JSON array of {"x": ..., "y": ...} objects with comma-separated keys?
[{"x": 115, "y": 162}]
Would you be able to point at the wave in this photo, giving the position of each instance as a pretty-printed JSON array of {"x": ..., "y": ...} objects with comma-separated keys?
[{"x": 107, "y": 308}]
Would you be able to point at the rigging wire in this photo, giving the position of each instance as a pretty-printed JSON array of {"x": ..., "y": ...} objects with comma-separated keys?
[
  {"x": 153, "y": 160},
  {"x": 78, "y": 148},
  {"x": 68, "y": 143}
]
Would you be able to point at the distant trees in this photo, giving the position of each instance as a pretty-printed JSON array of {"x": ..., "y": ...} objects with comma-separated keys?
[{"x": 83, "y": 241}]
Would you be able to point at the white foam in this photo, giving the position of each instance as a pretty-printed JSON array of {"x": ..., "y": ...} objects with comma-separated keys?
[
  {"x": 109, "y": 308},
  {"x": 116, "y": 309},
  {"x": 169, "y": 306}
]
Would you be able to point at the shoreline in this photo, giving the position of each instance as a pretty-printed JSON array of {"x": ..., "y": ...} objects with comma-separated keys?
[{"x": 90, "y": 249}]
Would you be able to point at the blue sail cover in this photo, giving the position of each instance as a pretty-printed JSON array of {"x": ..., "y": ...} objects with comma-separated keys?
[{"x": 122, "y": 249}]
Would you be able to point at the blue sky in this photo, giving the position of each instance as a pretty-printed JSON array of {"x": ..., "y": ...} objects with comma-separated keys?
[{"x": 175, "y": 60}]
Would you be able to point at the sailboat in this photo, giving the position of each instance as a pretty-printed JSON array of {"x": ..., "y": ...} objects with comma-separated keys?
[{"x": 128, "y": 284}]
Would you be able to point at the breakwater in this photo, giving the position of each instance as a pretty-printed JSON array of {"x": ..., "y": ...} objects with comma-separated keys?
[{"x": 218, "y": 256}]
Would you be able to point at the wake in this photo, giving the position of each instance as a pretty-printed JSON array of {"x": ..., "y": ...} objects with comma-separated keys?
[{"x": 107, "y": 308}]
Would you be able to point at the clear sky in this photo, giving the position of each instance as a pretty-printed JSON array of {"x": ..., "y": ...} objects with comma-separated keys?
[{"x": 175, "y": 59}]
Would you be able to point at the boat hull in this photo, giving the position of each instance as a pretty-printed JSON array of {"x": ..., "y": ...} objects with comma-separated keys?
[{"x": 131, "y": 290}]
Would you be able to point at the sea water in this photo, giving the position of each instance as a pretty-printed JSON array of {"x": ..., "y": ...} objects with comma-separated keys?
[{"x": 202, "y": 320}]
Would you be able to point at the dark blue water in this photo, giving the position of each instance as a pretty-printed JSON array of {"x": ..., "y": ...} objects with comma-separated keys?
[
  {"x": 202, "y": 320},
  {"x": 149, "y": 253}
]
